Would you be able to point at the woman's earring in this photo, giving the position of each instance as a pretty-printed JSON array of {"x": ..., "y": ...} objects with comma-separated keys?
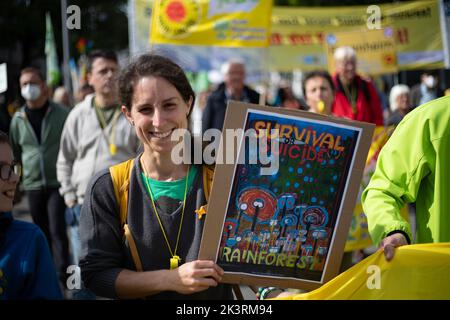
[{"x": 132, "y": 123}]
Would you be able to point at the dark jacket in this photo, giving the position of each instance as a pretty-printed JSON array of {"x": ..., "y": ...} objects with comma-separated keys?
[
  {"x": 216, "y": 106},
  {"x": 394, "y": 119},
  {"x": 416, "y": 95},
  {"x": 104, "y": 252},
  {"x": 38, "y": 159}
]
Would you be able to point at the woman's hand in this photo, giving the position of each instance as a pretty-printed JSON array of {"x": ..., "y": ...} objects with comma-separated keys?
[
  {"x": 391, "y": 242},
  {"x": 195, "y": 276}
]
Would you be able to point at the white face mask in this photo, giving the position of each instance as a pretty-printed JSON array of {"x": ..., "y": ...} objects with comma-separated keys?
[
  {"x": 430, "y": 81},
  {"x": 31, "y": 92}
]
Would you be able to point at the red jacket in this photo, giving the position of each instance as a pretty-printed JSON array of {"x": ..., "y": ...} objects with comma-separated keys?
[{"x": 368, "y": 105}]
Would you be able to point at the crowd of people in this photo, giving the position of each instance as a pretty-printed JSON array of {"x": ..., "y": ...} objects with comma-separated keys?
[{"x": 136, "y": 235}]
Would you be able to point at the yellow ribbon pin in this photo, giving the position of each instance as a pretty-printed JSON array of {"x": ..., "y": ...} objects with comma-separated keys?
[{"x": 201, "y": 211}]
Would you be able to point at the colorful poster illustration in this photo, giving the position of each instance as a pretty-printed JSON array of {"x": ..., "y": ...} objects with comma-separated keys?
[{"x": 283, "y": 224}]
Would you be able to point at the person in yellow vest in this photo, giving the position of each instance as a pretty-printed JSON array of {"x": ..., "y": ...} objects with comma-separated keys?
[
  {"x": 412, "y": 167},
  {"x": 159, "y": 258}
]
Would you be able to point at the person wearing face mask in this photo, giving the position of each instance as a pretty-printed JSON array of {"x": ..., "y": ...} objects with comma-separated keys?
[
  {"x": 35, "y": 134},
  {"x": 427, "y": 90},
  {"x": 26, "y": 267}
]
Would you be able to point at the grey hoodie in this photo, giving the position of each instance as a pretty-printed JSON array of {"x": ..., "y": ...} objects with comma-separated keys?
[{"x": 84, "y": 148}]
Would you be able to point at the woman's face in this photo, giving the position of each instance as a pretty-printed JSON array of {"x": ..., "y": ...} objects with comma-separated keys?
[
  {"x": 157, "y": 110},
  {"x": 403, "y": 101},
  {"x": 319, "y": 89},
  {"x": 8, "y": 186}
]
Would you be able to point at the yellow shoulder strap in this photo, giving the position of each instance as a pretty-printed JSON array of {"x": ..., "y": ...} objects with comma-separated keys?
[
  {"x": 133, "y": 248},
  {"x": 208, "y": 174},
  {"x": 120, "y": 175}
]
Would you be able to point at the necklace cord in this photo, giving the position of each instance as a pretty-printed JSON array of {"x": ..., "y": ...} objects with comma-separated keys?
[
  {"x": 351, "y": 95},
  {"x": 147, "y": 184},
  {"x": 103, "y": 125}
]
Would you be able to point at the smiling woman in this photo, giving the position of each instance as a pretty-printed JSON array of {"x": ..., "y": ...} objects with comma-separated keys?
[
  {"x": 26, "y": 267},
  {"x": 159, "y": 110},
  {"x": 9, "y": 174},
  {"x": 162, "y": 196}
]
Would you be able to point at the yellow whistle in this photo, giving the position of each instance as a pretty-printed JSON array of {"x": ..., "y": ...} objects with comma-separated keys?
[
  {"x": 321, "y": 106},
  {"x": 112, "y": 149},
  {"x": 174, "y": 262}
]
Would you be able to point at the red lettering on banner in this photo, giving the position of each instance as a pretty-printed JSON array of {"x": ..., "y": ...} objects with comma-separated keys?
[
  {"x": 291, "y": 152},
  {"x": 276, "y": 39},
  {"x": 296, "y": 38},
  {"x": 320, "y": 37},
  {"x": 402, "y": 36}
]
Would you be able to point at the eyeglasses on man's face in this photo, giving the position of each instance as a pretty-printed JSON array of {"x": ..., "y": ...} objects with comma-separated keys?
[{"x": 6, "y": 170}]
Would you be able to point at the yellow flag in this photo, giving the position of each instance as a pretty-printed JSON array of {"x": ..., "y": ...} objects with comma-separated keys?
[
  {"x": 298, "y": 33},
  {"x": 228, "y": 23},
  {"x": 420, "y": 271},
  {"x": 375, "y": 50}
]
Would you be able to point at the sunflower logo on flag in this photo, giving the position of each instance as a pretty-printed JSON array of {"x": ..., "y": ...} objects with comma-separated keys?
[
  {"x": 389, "y": 59},
  {"x": 176, "y": 17}
]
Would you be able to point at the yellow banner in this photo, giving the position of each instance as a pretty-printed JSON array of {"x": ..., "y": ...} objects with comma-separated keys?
[
  {"x": 139, "y": 18},
  {"x": 375, "y": 50},
  {"x": 298, "y": 34},
  {"x": 228, "y": 23},
  {"x": 419, "y": 271}
]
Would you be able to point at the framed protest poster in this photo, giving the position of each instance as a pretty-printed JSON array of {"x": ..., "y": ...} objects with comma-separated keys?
[{"x": 279, "y": 213}]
